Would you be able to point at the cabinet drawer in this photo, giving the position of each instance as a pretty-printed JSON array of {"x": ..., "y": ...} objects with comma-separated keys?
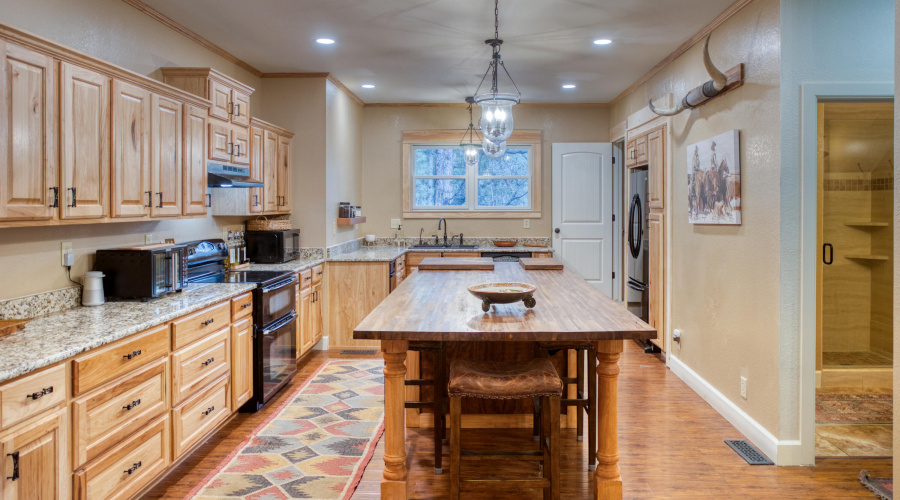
[
  {"x": 199, "y": 415},
  {"x": 200, "y": 324},
  {"x": 413, "y": 259},
  {"x": 241, "y": 306},
  {"x": 194, "y": 367},
  {"x": 107, "y": 363},
  {"x": 317, "y": 273},
  {"x": 117, "y": 411},
  {"x": 128, "y": 467},
  {"x": 305, "y": 279},
  {"x": 31, "y": 395}
]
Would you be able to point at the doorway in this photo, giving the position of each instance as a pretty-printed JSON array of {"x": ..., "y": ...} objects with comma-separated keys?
[{"x": 854, "y": 278}]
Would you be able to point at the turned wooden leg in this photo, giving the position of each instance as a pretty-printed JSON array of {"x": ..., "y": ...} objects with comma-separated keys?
[
  {"x": 607, "y": 480},
  {"x": 554, "y": 447},
  {"x": 455, "y": 442},
  {"x": 393, "y": 483}
]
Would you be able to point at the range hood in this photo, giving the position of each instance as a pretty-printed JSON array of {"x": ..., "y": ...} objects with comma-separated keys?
[{"x": 226, "y": 176}]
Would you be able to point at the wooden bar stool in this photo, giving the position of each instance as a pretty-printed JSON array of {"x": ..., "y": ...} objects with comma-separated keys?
[
  {"x": 584, "y": 402},
  {"x": 438, "y": 404},
  {"x": 535, "y": 378}
]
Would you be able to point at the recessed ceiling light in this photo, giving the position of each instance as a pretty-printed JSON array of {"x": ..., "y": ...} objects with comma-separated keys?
[
  {"x": 602, "y": 41},
  {"x": 368, "y": 86},
  {"x": 325, "y": 41},
  {"x": 569, "y": 86}
]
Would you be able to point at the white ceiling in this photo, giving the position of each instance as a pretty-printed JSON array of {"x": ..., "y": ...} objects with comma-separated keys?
[{"x": 434, "y": 51}]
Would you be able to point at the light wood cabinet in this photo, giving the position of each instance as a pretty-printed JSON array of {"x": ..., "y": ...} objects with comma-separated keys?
[
  {"x": 30, "y": 187},
  {"x": 241, "y": 112},
  {"x": 166, "y": 157},
  {"x": 194, "y": 200},
  {"x": 219, "y": 141},
  {"x": 306, "y": 335},
  {"x": 84, "y": 145},
  {"x": 230, "y": 98},
  {"x": 631, "y": 153},
  {"x": 354, "y": 290},
  {"x": 198, "y": 325},
  {"x": 104, "y": 364},
  {"x": 241, "y": 307},
  {"x": 35, "y": 460},
  {"x": 257, "y": 168},
  {"x": 640, "y": 150},
  {"x": 200, "y": 414},
  {"x": 130, "y": 171},
  {"x": 656, "y": 175},
  {"x": 32, "y": 395},
  {"x": 656, "y": 277},
  {"x": 241, "y": 362},
  {"x": 196, "y": 366},
  {"x": 315, "y": 313},
  {"x": 220, "y": 96},
  {"x": 240, "y": 139},
  {"x": 284, "y": 173},
  {"x": 271, "y": 202}
]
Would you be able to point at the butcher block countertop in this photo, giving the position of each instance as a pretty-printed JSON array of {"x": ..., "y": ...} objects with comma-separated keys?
[
  {"x": 436, "y": 305},
  {"x": 456, "y": 264}
]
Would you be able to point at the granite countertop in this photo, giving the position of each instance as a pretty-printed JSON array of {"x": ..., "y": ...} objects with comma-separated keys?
[
  {"x": 49, "y": 339},
  {"x": 483, "y": 249},
  {"x": 294, "y": 266},
  {"x": 370, "y": 254}
]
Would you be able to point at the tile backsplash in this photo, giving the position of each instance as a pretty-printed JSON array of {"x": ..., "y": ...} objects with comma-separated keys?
[{"x": 40, "y": 304}]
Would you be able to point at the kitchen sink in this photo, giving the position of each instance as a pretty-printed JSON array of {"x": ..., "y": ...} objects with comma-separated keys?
[{"x": 468, "y": 247}]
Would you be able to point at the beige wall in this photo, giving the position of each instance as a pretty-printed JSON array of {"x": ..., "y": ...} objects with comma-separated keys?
[
  {"x": 343, "y": 161},
  {"x": 116, "y": 32},
  {"x": 382, "y": 170},
  {"x": 725, "y": 279},
  {"x": 896, "y": 217}
]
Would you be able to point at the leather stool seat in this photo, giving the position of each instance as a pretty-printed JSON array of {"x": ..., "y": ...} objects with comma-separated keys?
[{"x": 504, "y": 380}]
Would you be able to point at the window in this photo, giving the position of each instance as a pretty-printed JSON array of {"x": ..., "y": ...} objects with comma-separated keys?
[{"x": 440, "y": 183}]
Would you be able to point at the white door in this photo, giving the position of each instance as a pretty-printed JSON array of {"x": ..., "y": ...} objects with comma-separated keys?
[{"x": 583, "y": 211}]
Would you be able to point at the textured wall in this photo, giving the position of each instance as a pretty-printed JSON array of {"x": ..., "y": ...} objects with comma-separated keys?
[
  {"x": 896, "y": 213},
  {"x": 724, "y": 279},
  {"x": 343, "y": 161}
]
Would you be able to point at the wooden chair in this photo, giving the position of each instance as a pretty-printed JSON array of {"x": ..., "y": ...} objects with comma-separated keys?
[
  {"x": 438, "y": 404},
  {"x": 583, "y": 402},
  {"x": 506, "y": 380}
]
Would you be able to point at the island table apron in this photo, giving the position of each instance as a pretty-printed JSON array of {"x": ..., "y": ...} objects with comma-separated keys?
[{"x": 436, "y": 305}]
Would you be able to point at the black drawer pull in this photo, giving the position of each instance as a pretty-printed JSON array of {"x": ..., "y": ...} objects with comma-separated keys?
[
  {"x": 160, "y": 199},
  {"x": 307, "y": 278},
  {"x": 208, "y": 362},
  {"x": 38, "y": 395},
  {"x": 133, "y": 354},
  {"x": 55, "y": 203},
  {"x": 208, "y": 410},
  {"x": 208, "y": 322},
  {"x": 248, "y": 304},
  {"x": 74, "y": 199},
  {"x": 149, "y": 199},
  {"x": 133, "y": 468},
  {"x": 15, "y": 457},
  {"x": 132, "y": 404}
]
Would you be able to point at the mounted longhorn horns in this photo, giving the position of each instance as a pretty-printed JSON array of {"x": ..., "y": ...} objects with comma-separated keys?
[{"x": 702, "y": 93}]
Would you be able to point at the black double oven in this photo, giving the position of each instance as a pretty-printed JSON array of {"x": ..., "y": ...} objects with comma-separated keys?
[{"x": 274, "y": 316}]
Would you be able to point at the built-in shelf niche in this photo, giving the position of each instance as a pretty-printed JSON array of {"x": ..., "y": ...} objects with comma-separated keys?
[{"x": 351, "y": 221}]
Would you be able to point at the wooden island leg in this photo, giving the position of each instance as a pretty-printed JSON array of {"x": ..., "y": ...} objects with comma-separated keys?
[
  {"x": 393, "y": 483},
  {"x": 607, "y": 481}
]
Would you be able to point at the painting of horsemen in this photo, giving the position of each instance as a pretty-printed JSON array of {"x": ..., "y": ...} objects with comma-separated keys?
[{"x": 714, "y": 180}]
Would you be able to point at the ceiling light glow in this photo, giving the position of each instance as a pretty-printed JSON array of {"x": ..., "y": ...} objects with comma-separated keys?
[
  {"x": 368, "y": 86},
  {"x": 602, "y": 41},
  {"x": 569, "y": 86},
  {"x": 325, "y": 41}
]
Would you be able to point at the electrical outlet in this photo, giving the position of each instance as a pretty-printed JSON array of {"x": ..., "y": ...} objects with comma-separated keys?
[
  {"x": 395, "y": 223},
  {"x": 676, "y": 336},
  {"x": 148, "y": 238},
  {"x": 65, "y": 249},
  {"x": 526, "y": 223},
  {"x": 744, "y": 387}
]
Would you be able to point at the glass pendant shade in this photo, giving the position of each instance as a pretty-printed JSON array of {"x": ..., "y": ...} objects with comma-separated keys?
[
  {"x": 470, "y": 150},
  {"x": 496, "y": 116},
  {"x": 494, "y": 149}
]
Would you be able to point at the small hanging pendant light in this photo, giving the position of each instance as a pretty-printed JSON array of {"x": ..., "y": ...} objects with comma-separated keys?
[
  {"x": 470, "y": 147},
  {"x": 493, "y": 149},
  {"x": 496, "y": 107}
]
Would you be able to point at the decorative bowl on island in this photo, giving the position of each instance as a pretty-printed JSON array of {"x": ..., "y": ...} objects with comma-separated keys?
[
  {"x": 505, "y": 243},
  {"x": 503, "y": 293}
]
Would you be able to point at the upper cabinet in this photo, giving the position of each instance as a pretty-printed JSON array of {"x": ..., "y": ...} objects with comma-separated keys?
[
  {"x": 166, "y": 157},
  {"x": 194, "y": 157},
  {"x": 130, "y": 176},
  {"x": 28, "y": 132},
  {"x": 284, "y": 173}
]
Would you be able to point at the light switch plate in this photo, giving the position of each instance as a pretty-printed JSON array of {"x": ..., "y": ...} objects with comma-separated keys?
[
  {"x": 65, "y": 248},
  {"x": 526, "y": 223},
  {"x": 148, "y": 238},
  {"x": 395, "y": 223}
]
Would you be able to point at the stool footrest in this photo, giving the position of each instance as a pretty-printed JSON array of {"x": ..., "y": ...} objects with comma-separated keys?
[
  {"x": 573, "y": 402},
  {"x": 413, "y": 405},
  {"x": 501, "y": 455},
  {"x": 419, "y": 381},
  {"x": 486, "y": 484}
]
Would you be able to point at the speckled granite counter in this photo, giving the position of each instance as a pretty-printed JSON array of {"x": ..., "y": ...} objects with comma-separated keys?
[
  {"x": 294, "y": 266},
  {"x": 55, "y": 337},
  {"x": 482, "y": 249},
  {"x": 370, "y": 254}
]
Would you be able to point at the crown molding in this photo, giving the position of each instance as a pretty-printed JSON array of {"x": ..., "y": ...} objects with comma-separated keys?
[
  {"x": 698, "y": 37},
  {"x": 464, "y": 105},
  {"x": 337, "y": 83},
  {"x": 294, "y": 75}
]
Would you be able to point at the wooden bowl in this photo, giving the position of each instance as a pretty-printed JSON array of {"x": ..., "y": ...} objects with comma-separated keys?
[
  {"x": 503, "y": 293},
  {"x": 505, "y": 243}
]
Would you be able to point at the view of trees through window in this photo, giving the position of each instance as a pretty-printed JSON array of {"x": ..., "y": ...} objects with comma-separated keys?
[{"x": 440, "y": 179}]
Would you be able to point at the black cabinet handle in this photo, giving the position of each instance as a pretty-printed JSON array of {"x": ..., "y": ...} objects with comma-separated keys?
[
  {"x": 149, "y": 198},
  {"x": 231, "y": 108},
  {"x": 208, "y": 200},
  {"x": 237, "y": 108},
  {"x": 34, "y": 396},
  {"x": 15, "y": 457},
  {"x": 307, "y": 278},
  {"x": 255, "y": 200},
  {"x": 133, "y": 354},
  {"x": 132, "y": 404},
  {"x": 74, "y": 198},
  {"x": 160, "y": 199},
  {"x": 55, "y": 203},
  {"x": 208, "y": 322},
  {"x": 828, "y": 250},
  {"x": 230, "y": 146},
  {"x": 133, "y": 468},
  {"x": 208, "y": 361},
  {"x": 208, "y": 410},
  {"x": 248, "y": 304}
]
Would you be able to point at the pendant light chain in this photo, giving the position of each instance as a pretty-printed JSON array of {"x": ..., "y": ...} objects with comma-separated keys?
[
  {"x": 497, "y": 19},
  {"x": 496, "y": 121}
]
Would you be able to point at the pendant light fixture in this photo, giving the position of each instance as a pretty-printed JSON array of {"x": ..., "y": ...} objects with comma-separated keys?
[
  {"x": 470, "y": 147},
  {"x": 496, "y": 107}
]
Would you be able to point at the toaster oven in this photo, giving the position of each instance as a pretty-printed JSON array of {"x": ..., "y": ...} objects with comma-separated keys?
[{"x": 142, "y": 272}]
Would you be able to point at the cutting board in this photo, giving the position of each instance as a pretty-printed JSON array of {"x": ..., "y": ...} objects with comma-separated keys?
[
  {"x": 456, "y": 264},
  {"x": 540, "y": 264},
  {"x": 8, "y": 326}
]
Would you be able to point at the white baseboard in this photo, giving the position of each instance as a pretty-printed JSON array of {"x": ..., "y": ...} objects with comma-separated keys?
[
  {"x": 782, "y": 453},
  {"x": 321, "y": 345}
]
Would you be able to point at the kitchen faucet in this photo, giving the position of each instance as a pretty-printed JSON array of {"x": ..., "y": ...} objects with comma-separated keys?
[{"x": 445, "y": 229}]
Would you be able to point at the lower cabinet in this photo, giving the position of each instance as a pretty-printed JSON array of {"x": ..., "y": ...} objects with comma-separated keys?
[
  {"x": 315, "y": 313},
  {"x": 200, "y": 414},
  {"x": 657, "y": 273},
  {"x": 241, "y": 362},
  {"x": 35, "y": 459},
  {"x": 128, "y": 467},
  {"x": 309, "y": 309},
  {"x": 354, "y": 290}
]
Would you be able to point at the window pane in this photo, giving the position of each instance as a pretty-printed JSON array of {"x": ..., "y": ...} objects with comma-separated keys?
[
  {"x": 440, "y": 192},
  {"x": 514, "y": 162},
  {"x": 512, "y": 193},
  {"x": 440, "y": 161}
]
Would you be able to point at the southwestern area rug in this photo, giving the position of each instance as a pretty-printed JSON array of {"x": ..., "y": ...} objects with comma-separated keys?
[
  {"x": 316, "y": 445},
  {"x": 882, "y": 488},
  {"x": 861, "y": 408}
]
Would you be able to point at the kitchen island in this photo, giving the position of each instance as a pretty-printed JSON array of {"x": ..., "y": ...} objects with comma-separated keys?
[{"x": 436, "y": 305}]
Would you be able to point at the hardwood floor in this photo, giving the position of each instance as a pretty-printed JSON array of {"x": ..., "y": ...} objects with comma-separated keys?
[{"x": 670, "y": 441}]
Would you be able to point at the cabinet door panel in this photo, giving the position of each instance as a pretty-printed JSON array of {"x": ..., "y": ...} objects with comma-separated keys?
[
  {"x": 220, "y": 95},
  {"x": 130, "y": 173},
  {"x": 28, "y": 147},
  {"x": 193, "y": 184},
  {"x": 241, "y": 113},
  {"x": 166, "y": 157},
  {"x": 271, "y": 200},
  {"x": 257, "y": 137},
  {"x": 219, "y": 141},
  {"x": 316, "y": 312},
  {"x": 241, "y": 362},
  {"x": 640, "y": 145},
  {"x": 85, "y": 143},
  {"x": 656, "y": 160},
  {"x": 284, "y": 173},
  {"x": 40, "y": 451},
  {"x": 630, "y": 154},
  {"x": 657, "y": 273},
  {"x": 305, "y": 321},
  {"x": 241, "y": 139}
]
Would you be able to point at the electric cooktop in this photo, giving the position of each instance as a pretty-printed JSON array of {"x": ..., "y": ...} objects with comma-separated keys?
[{"x": 242, "y": 277}]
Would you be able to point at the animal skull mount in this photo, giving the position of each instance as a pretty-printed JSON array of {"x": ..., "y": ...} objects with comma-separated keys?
[{"x": 703, "y": 93}]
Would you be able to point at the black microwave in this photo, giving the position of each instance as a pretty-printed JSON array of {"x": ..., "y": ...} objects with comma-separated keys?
[
  {"x": 142, "y": 272},
  {"x": 272, "y": 247}
]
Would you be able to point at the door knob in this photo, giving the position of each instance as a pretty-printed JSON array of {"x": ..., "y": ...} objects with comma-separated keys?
[{"x": 556, "y": 230}]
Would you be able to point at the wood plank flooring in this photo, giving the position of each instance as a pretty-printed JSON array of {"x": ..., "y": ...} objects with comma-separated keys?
[{"x": 670, "y": 441}]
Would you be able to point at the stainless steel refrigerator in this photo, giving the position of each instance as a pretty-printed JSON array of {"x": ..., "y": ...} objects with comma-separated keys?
[{"x": 636, "y": 252}]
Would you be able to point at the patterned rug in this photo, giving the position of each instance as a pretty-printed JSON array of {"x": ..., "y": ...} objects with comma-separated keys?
[
  {"x": 882, "y": 488},
  {"x": 316, "y": 445},
  {"x": 854, "y": 408}
]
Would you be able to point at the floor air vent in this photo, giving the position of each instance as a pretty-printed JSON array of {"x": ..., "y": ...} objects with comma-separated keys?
[
  {"x": 748, "y": 452},
  {"x": 359, "y": 351}
]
